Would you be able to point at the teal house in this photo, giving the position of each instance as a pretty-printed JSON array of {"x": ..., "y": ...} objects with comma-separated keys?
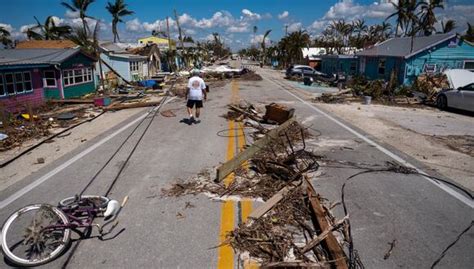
[
  {"x": 32, "y": 76},
  {"x": 410, "y": 57},
  {"x": 337, "y": 64}
]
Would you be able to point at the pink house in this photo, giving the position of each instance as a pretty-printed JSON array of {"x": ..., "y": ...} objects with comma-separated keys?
[{"x": 28, "y": 77}]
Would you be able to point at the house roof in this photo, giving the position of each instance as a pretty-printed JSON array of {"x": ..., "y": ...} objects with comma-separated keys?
[
  {"x": 109, "y": 46},
  {"x": 402, "y": 46},
  {"x": 35, "y": 56},
  {"x": 128, "y": 56},
  {"x": 46, "y": 44}
]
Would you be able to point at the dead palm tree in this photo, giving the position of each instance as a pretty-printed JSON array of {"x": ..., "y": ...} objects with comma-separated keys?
[
  {"x": 48, "y": 31},
  {"x": 447, "y": 26},
  {"x": 5, "y": 36},
  {"x": 469, "y": 36},
  {"x": 117, "y": 10},
  {"x": 427, "y": 15},
  {"x": 81, "y": 7},
  {"x": 263, "y": 45}
]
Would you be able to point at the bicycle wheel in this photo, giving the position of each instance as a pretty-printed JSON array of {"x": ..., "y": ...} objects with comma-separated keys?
[
  {"x": 29, "y": 238},
  {"x": 98, "y": 201}
]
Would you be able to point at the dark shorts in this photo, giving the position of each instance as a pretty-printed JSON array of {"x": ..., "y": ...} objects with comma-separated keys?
[{"x": 191, "y": 103}]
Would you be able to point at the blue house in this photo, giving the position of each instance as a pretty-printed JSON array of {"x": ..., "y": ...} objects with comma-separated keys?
[
  {"x": 129, "y": 66},
  {"x": 409, "y": 57},
  {"x": 335, "y": 64}
]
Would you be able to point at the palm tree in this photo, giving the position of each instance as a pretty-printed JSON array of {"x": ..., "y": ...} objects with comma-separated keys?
[
  {"x": 359, "y": 27},
  {"x": 263, "y": 45},
  {"x": 81, "y": 7},
  {"x": 117, "y": 10},
  {"x": 5, "y": 36},
  {"x": 447, "y": 26},
  {"x": 469, "y": 36},
  {"x": 255, "y": 28},
  {"x": 400, "y": 14},
  {"x": 48, "y": 31},
  {"x": 428, "y": 18}
]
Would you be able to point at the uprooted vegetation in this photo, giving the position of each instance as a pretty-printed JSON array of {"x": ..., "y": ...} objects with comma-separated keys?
[
  {"x": 423, "y": 91},
  {"x": 285, "y": 230}
]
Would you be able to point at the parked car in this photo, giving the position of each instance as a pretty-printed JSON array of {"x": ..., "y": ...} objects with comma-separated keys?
[
  {"x": 299, "y": 70},
  {"x": 460, "y": 95}
]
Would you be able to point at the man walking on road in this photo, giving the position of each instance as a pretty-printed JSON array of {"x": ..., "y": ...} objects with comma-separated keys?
[{"x": 195, "y": 94}]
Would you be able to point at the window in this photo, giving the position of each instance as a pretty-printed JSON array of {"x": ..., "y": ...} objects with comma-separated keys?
[
  {"x": 49, "y": 79},
  {"x": 77, "y": 76},
  {"x": 353, "y": 67},
  {"x": 19, "y": 83},
  {"x": 27, "y": 81},
  {"x": 382, "y": 67},
  {"x": 469, "y": 65},
  {"x": 430, "y": 68},
  {"x": 134, "y": 66},
  {"x": 15, "y": 83},
  {"x": 10, "y": 84},
  {"x": 2, "y": 87}
]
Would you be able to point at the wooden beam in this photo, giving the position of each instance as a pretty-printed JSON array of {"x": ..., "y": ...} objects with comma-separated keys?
[
  {"x": 318, "y": 239},
  {"x": 228, "y": 167},
  {"x": 296, "y": 264},
  {"x": 270, "y": 203},
  {"x": 133, "y": 105},
  {"x": 72, "y": 101},
  {"x": 335, "y": 250}
]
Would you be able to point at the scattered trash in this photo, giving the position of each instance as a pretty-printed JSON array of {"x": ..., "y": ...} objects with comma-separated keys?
[
  {"x": 40, "y": 160},
  {"x": 3, "y": 136},
  {"x": 66, "y": 116},
  {"x": 389, "y": 252}
]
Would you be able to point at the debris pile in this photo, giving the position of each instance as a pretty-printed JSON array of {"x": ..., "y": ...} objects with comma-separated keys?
[{"x": 293, "y": 227}]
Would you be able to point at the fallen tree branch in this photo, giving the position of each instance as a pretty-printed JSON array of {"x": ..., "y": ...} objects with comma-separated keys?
[{"x": 314, "y": 242}]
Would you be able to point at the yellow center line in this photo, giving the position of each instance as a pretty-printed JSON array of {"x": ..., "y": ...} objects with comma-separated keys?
[{"x": 225, "y": 258}]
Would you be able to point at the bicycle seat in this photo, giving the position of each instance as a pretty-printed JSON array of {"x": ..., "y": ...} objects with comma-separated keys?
[{"x": 113, "y": 207}]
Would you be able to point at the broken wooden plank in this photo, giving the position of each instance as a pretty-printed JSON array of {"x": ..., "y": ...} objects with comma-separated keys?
[
  {"x": 248, "y": 114},
  {"x": 270, "y": 203},
  {"x": 315, "y": 241},
  {"x": 72, "y": 101},
  {"x": 134, "y": 105},
  {"x": 227, "y": 168},
  {"x": 335, "y": 250}
]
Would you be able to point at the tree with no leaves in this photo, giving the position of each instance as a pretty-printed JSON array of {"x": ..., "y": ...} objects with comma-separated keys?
[
  {"x": 117, "y": 10},
  {"x": 5, "y": 36}
]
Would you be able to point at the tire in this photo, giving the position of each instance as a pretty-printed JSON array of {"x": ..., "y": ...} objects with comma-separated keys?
[
  {"x": 28, "y": 222},
  {"x": 99, "y": 201},
  {"x": 442, "y": 102}
]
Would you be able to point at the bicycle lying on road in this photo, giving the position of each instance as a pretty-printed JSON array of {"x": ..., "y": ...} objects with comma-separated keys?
[{"x": 39, "y": 233}]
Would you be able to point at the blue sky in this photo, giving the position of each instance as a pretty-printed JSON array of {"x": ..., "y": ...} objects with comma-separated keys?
[{"x": 232, "y": 19}]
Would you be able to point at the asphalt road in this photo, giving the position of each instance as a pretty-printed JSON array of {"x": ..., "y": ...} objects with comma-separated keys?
[{"x": 161, "y": 233}]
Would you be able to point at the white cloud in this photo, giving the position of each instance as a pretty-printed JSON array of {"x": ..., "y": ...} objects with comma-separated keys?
[
  {"x": 247, "y": 14},
  {"x": 238, "y": 28},
  {"x": 283, "y": 15},
  {"x": 294, "y": 27},
  {"x": 257, "y": 40},
  {"x": 134, "y": 25},
  {"x": 71, "y": 14}
]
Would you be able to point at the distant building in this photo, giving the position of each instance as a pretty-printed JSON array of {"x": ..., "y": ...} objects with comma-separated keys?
[
  {"x": 314, "y": 55},
  {"x": 30, "y": 76},
  {"x": 46, "y": 44},
  {"x": 129, "y": 66},
  {"x": 162, "y": 43},
  {"x": 409, "y": 57},
  {"x": 337, "y": 64}
]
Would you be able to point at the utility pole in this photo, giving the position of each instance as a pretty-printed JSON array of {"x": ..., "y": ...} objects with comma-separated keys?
[
  {"x": 169, "y": 42},
  {"x": 286, "y": 29},
  {"x": 180, "y": 36}
]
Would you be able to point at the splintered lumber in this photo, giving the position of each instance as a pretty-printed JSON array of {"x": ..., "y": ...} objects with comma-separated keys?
[
  {"x": 248, "y": 114},
  {"x": 270, "y": 203},
  {"x": 134, "y": 105},
  {"x": 335, "y": 250},
  {"x": 73, "y": 101},
  {"x": 315, "y": 241},
  {"x": 227, "y": 168}
]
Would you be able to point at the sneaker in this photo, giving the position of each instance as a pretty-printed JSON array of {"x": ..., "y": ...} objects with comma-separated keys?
[{"x": 191, "y": 119}]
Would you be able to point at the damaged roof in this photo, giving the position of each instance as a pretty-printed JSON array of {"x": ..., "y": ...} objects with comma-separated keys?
[
  {"x": 402, "y": 46},
  {"x": 35, "y": 56},
  {"x": 46, "y": 44}
]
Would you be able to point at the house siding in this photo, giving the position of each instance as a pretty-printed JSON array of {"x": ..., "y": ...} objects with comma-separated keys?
[
  {"x": 73, "y": 91},
  {"x": 20, "y": 102},
  {"x": 450, "y": 54},
  {"x": 120, "y": 65},
  {"x": 333, "y": 65}
]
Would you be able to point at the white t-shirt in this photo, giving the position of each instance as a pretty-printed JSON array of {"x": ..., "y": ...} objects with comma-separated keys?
[{"x": 196, "y": 85}]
